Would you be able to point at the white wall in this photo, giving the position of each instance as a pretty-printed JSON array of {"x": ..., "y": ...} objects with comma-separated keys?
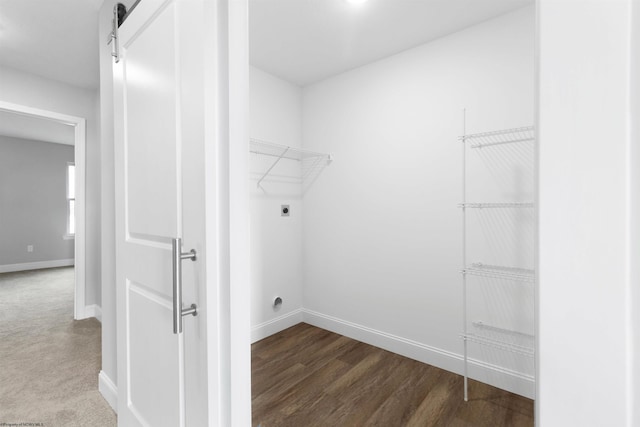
[
  {"x": 34, "y": 91},
  {"x": 276, "y": 241},
  {"x": 109, "y": 374},
  {"x": 588, "y": 193},
  {"x": 634, "y": 212},
  {"x": 382, "y": 235}
]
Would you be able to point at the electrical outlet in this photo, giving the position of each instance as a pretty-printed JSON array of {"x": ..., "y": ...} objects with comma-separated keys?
[{"x": 29, "y": 248}]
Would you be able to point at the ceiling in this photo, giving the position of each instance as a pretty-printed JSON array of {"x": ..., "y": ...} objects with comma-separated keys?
[
  {"x": 304, "y": 41},
  {"x": 56, "y": 39}
]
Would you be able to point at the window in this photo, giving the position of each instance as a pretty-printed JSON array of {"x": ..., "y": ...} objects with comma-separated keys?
[{"x": 71, "y": 199}]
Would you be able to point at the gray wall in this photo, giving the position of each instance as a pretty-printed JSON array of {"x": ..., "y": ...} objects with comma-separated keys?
[
  {"x": 23, "y": 88},
  {"x": 33, "y": 207}
]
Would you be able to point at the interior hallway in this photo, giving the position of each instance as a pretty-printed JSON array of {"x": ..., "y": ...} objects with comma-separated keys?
[{"x": 49, "y": 362}]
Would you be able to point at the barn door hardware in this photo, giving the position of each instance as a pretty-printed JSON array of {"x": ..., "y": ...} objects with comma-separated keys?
[{"x": 119, "y": 13}]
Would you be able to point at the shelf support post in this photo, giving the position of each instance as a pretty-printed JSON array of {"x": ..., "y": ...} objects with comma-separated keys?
[{"x": 464, "y": 253}]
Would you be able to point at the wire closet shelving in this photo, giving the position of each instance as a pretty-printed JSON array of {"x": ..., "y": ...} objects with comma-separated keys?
[
  {"x": 499, "y": 137},
  {"x": 309, "y": 160},
  {"x": 496, "y": 205},
  {"x": 478, "y": 332},
  {"x": 499, "y": 272}
]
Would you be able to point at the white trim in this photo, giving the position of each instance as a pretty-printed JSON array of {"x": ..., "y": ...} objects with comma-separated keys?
[
  {"x": 233, "y": 78},
  {"x": 108, "y": 390},
  {"x": 433, "y": 356},
  {"x": 8, "y": 268},
  {"x": 499, "y": 377},
  {"x": 276, "y": 325},
  {"x": 69, "y": 235},
  {"x": 79, "y": 158},
  {"x": 536, "y": 196},
  {"x": 514, "y": 382},
  {"x": 93, "y": 310},
  {"x": 80, "y": 126}
]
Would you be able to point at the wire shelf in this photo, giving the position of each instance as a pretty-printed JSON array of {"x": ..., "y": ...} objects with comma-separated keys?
[
  {"x": 499, "y": 272},
  {"x": 310, "y": 160},
  {"x": 500, "y": 338},
  {"x": 500, "y": 345},
  {"x": 499, "y": 137},
  {"x": 496, "y": 205},
  {"x": 508, "y": 332},
  {"x": 265, "y": 148}
]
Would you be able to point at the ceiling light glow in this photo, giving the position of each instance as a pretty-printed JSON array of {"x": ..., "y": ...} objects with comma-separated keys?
[{"x": 356, "y": 1}]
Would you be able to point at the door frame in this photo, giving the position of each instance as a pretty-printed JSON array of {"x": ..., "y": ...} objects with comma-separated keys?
[
  {"x": 239, "y": 210},
  {"x": 227, "y": 211},
  {"x": 79, "y": 124}
]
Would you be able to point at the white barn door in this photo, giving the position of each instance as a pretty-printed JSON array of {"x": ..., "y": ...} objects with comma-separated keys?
[{"x": 174, "y": 368}]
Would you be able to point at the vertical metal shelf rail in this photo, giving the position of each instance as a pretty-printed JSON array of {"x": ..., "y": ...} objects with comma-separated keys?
[{"x": 487, "y": 335}]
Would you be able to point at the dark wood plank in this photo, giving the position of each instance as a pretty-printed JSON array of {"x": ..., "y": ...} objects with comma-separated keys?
[
  {"x": 489, "y": 406},
  {"x": 307, "y": 392},
  {"x": 308, "y": 377},
  {"x": 439, "y": 403},
  {"x": 370, "y": 392},
  {"x": 405, "y": 400},
  {"x": 361, "y": 369}
]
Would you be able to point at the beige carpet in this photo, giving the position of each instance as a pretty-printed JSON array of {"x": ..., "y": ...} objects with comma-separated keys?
[{"x": 49, "y": 363}]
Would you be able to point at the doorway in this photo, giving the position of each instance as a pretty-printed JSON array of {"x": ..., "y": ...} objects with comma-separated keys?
[
  {"x": 371, "y": 247},
  {"x": 78, "y": 125}
]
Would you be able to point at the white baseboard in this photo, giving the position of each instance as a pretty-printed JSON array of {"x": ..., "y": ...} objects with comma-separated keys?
[
  {"x": 93, "y": 310},
  {"x": 494, "y": 375},
  {"x": 514, "y": 382},
  {"x": 276, "y": 325},
  {"x": 108, "y": 390},
  {"x": 497, "y": 376},
  {"x": 9, "y": 268}
]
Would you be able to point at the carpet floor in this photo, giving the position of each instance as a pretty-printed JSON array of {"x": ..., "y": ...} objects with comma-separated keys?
[{"x": 49, "y": 363}]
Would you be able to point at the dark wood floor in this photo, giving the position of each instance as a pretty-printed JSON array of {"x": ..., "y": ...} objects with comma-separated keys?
[{"x": 305, "y": 376}]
